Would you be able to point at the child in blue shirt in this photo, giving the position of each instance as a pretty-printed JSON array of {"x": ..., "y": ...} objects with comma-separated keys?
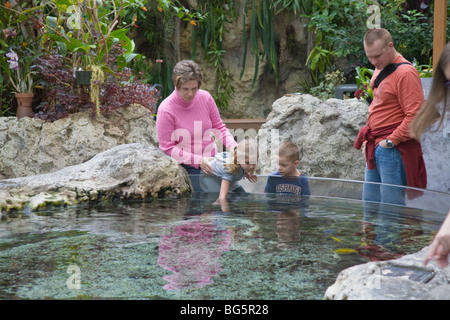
[{"x": 288, "y": 182}]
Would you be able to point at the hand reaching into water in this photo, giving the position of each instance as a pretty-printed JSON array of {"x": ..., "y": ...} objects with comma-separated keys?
[
  {"x": 440, "y": 248},
  {"x": 223, "y": 203}
]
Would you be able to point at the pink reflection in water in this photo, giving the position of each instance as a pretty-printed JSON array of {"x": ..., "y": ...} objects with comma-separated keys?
[{"x": 191, "y": 252}]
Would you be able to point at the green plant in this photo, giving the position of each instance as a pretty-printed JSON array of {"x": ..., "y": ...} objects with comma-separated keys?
[
  {"x": 150, "y": 22},
  {"x": 20, "y": 26},
  {"x": 319, "y": 60},
  {"x": 160, "y": 23},
  {"x": 291, "y": 5},
  {"x": 22, "y": 76},
  {"x": 425, "y": 70},
  {"x": 210, "y": 32},
  {"x": 261, "y": 35},
  {"x": 338, "y": 28},
  {"x": 363, "y": 76},
  {"x": 401, "y": 23},
  {"x": 325, "y": 89},
  {"x": 181, "y": 12},
  {"x": 62, "y": 97},
  {"x": 86, "y": 31}
]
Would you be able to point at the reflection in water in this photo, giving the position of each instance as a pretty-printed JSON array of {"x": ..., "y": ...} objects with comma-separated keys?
[
  {"x": 288, "y": 228},
  {"x": 192, "y": 253},
  {"x": 385, "y": 228}
]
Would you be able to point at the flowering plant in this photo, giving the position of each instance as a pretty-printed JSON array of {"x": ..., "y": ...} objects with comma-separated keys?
[
  {"x": 21, "y": 81},
  {"x": 363, "y": 76}
]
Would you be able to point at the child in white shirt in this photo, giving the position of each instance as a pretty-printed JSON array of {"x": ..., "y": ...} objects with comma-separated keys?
[{"x": 229, "y": 168}]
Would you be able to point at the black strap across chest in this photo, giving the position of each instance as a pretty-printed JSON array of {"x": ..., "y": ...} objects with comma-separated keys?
[{"x": 386, "y": 72}]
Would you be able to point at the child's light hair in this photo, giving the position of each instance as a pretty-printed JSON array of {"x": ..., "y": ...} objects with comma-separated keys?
[
  {"x": 246, "y": 150},
  {"x": 289, "y": 150}
]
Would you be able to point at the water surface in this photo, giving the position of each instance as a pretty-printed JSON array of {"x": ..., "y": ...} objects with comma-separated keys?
[{"x": 189, "y": 249}]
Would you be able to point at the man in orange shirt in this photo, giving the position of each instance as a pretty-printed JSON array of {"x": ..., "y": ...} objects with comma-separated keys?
[{"x": 392, "y": 157}]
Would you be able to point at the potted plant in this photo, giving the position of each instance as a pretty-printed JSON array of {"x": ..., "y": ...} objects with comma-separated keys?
[
  {"x": 20, "y": 43},
  {"x": 21, "y": 78},
  {"x": 86, "y": 36}
]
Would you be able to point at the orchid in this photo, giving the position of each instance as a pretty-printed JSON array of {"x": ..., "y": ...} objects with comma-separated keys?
[
  {"x": 23, "y": 82},
  {"x": 14, "y": 62}
]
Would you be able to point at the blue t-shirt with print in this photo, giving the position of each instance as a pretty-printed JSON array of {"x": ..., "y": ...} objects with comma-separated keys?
[
  {"x": 287, "y": 191},
  {"x": 277, "y": 183}
]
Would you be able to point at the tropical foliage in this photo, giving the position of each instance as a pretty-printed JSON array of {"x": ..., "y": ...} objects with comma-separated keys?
[
  {"x": 88, "y": 34},
  {"x": 21, "y": 26}
]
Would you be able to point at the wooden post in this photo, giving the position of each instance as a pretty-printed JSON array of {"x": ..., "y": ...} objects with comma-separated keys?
[{"x": 440, "y": 28}]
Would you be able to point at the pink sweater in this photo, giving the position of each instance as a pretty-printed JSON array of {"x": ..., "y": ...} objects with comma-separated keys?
[{"x": 184, "y": 128}]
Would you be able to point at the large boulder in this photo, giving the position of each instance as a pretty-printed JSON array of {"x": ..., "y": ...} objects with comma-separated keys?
[
  {"x": 125, "y": 172},
  {"x": 323, "y": 130},
  {"x": 32, "y": 146}
]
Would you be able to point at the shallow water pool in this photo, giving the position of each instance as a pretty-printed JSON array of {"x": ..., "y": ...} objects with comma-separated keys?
[{"x": 256, "y": 248}]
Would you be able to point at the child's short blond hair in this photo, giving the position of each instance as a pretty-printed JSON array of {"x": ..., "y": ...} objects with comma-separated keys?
[{"x": 289, "y": 150}]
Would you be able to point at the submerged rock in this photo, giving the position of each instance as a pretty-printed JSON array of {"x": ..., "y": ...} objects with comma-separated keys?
[{"x": 131, "y": 171}]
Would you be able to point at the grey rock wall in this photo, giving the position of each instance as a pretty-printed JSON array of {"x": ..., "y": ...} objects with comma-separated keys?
[{"x": 31, "y": 146}]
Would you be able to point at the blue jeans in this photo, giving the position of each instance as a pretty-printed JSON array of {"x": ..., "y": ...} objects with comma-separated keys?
[
  {"x": 194, "y": 174},
  {"x": 377, "y": 196},
  {"x": 389, "y": 169}
]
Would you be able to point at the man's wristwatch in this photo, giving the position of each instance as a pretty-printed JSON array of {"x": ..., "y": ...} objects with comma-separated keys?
[{"x": 389, "y": 143}]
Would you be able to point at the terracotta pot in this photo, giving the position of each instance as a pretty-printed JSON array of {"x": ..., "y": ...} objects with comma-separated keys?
[{"x": 24, "y": 102}]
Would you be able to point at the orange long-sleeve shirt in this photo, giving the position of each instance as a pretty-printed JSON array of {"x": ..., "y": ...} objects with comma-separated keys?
[{"x": 397, "y": 99}]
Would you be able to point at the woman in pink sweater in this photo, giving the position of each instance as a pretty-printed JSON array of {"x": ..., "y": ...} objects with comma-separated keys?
[{"x": 186, "y": 121}]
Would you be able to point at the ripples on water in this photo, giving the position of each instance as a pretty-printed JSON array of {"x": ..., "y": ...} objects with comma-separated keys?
[{"x": 188, "y": 249}]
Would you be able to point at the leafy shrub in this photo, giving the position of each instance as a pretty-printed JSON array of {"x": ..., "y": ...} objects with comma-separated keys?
[
  {"x": 325, "y": 89},
  {"x": 62, "y": 96}
]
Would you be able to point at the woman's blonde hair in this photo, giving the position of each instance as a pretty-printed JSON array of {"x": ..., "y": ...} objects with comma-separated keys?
[
  {"x": 429, "y": 113},
  {"x": 186, "y": 70},
  {"x": 246, "y": 150}
]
